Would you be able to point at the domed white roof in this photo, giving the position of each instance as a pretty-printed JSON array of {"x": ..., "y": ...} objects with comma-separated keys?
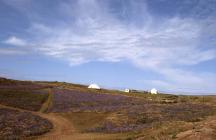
[
  {"x": 127, "y": 90},
  {"x": 94, "y": 86},
  {"x": 154, "y": 91}
]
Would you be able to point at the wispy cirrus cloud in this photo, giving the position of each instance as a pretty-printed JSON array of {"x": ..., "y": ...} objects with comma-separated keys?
[
  {"x": 15, "y": 41},
  {"x": 172, "y": 43},
  {"x": 91, "y": 31}
]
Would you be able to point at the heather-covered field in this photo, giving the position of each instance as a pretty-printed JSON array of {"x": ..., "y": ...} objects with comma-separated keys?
[
  {"x": 26, "y": 96},
  {"x": 16, "y": 125},
  {"x": 21, "y": 85},
  {"x": 76, "y": 112},
  {"x": 123, "y": 113}
]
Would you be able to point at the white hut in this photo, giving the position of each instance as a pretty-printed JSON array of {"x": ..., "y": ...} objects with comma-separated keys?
[
  {"x": 154, "y": 91},
  {"x": 94, "y": 86},
  {"x": 127, "y": 90}
]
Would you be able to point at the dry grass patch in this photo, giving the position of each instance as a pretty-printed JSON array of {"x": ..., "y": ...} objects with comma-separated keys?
[{"x": 83, "y": 121}]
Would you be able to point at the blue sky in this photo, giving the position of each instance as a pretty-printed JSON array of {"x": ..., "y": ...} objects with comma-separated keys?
[{"x": 165, "y": 44}]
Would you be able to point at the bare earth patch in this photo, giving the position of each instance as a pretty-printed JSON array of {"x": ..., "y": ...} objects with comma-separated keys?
[{"x": 205, "y": 130}]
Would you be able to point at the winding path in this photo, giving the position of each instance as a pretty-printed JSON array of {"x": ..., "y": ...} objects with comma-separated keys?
[{"x": 63, "y": 129}]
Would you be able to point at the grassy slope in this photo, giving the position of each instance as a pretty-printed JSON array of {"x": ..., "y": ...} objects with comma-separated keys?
[
  {"x": 166, "y": 130},
  {"x": 22, "y": 99},
  {"x": 17, "y": 100},
  {"x": 160, "y": 98},
  {"x": 23, "y": 94}
]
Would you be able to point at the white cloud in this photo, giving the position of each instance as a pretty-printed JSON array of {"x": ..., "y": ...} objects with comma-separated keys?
[
  {"x": 173, "y": 42},
  {"x": 15, "y": 41},
  {"x": 95, "y": 34},
  {"x": 184, "y": 80}
]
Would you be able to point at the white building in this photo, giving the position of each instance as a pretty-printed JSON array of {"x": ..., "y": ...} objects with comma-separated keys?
[
  {"x": 127, "y": 90},
  {"x": 154, "y": 91},
  {"x": 94, "y": 86}
]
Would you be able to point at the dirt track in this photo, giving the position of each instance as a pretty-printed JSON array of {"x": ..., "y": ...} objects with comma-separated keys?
[
  {"x": 61, "y": 126},
  {"x": 64, "y": 130}
]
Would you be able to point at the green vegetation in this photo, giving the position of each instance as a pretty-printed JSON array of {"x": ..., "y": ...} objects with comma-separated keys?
[
  {"x": 24, "y": 99},
  {"x": 106, "y": 114}
]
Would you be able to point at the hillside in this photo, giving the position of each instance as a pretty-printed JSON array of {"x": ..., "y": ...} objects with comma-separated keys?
[{"x": 81, "y": 113}]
